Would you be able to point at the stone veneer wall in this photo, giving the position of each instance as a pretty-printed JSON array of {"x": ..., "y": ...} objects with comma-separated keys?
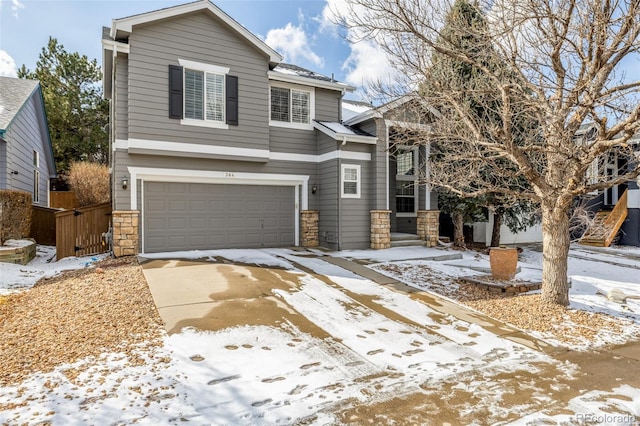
[
  {"x": 309, "y": 228},
  {"x": 380, "y": 229},
  {"x": 428, "y": 224},
  {"x": 125, "y": 233}
]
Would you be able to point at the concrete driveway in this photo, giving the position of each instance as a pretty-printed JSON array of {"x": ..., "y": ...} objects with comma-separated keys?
[{"x": 306, "y": 338}]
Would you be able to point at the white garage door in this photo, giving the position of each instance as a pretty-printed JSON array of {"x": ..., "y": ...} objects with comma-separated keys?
[{"x": 196, "y": 216}]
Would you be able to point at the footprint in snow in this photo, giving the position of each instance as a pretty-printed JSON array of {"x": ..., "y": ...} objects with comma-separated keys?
[{"x": 223, "y": 379}]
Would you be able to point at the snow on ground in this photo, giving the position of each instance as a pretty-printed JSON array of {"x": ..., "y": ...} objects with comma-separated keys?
[
  {"x": 15, "y": 277},
  {"x": 266, "y": 374},
  {"x": 380, "y": 344},
  {"x": 395, "y": 253},
  {"x": 592, "y": 276}
]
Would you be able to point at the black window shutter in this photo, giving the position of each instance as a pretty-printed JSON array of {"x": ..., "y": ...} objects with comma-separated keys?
[
  {"x": 175, "y": 92},
  {"x": 232, "y": 99}
]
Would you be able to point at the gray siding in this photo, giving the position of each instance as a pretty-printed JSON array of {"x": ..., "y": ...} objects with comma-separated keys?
[
  {"x": 378, "y": 127},
  {"x": 121, "y": 100},
  {"x": 328, "y": 196},
  {"x": 3, "y": 164},
  {"x": 355, "y": 218},
  {"x": 292, "y": 140},
  {"x": 328, "y": 105},
  {"x": 24, "y": 136},
  {"x": 202, "y": 38}
]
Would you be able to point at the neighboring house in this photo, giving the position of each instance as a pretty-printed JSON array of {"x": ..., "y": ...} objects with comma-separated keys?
[
  {"x": 622, "y": 201},
  {"x": 218, "y": 144},
  {"x": 26, "y": 155}
]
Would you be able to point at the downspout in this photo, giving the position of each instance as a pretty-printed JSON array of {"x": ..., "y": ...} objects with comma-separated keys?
[
  {"x": 112, "y": 124},
  {"x": 339, "y": 200},
  {"x": 386, "y": 127}
]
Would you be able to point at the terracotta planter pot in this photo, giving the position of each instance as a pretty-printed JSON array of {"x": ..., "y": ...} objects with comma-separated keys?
[{"x": 504, "y": 262}]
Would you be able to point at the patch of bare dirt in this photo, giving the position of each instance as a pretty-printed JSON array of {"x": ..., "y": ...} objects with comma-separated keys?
[{"x": 76, "y": 315}]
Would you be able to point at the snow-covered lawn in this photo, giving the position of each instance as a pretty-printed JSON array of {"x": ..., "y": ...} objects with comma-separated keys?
[
  {"x": 14, "y": 277},
  {"x": 375, "y": 345}
]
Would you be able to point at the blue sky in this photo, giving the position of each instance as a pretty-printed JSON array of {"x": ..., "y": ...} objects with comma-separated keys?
[{"x": 296, "y": 29}]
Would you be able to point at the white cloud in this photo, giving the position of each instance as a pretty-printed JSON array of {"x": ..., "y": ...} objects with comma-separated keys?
[
  {"x": 292, "y": 42},
  {"x": 7, "y": 65},
  {"x": 16, "y": 5},
  {"x": 367, "y": 64}
]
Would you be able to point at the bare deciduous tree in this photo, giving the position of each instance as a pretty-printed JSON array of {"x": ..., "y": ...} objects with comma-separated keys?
[{"x": 561, "y": 67}]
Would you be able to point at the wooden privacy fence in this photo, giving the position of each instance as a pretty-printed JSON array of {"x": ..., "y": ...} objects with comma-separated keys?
[
  {"x": 76, "y": 232},
  {"x": 43, "y": 225},
  {"x": 63, "y": 199}
]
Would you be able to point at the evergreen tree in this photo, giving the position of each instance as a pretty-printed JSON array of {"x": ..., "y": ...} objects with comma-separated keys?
[
  {"x": 77, "y": 114},
  {"x": 463, "y": 31}
]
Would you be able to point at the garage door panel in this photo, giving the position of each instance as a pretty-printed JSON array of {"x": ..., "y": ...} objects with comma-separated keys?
[{"x": 189, "y": 216}]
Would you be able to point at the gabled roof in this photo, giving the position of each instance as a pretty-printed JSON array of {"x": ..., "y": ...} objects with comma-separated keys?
[
  {"x": 124, "y": 26},
  {"x": 341, "y": 132},
  {"x": 14, "y": 92},
  {"x": 289, "y": 73},
  {"x": 378, "y": 112},
  {"x": 14, "y": 95},
  {"x": 351, "y": 108}
]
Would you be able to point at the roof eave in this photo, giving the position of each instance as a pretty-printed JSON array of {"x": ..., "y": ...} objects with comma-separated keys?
[
  {"x": 363, "y": 116},
  {"x": 307, "y": 81},
  {"x": 344, "y": 137}
]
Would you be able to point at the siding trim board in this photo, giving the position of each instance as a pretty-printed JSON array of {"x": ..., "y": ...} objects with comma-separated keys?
[
  {"x": 144, "y": 146},
  {"x": 299, "y": 182}
]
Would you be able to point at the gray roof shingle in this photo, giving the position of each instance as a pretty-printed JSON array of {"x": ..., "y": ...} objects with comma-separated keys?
[{"x": 14, "y": 92}]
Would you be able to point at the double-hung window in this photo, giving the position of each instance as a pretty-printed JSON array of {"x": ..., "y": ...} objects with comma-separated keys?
[
  {"x": 350, "y": 181},
  {"x": 291, "y": 107},
  {"x": 203, "y": 95},
  {"x": 406, "y": 164}
]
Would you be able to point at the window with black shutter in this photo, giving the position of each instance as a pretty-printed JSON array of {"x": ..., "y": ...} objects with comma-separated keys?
[{"x": 175, "y": 92}]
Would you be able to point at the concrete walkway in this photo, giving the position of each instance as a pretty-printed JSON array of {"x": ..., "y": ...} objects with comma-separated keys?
[{"x": 446, "y": 306}]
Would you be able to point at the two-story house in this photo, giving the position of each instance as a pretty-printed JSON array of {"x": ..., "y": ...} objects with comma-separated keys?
[{"x": 216, "y": 143}]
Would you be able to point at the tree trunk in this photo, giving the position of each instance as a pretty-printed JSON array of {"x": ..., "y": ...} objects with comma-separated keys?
[
  {"x": 555, "y": 249},
  {"x": 497, "y": 224},
  {"x": 458, "y": 230}
]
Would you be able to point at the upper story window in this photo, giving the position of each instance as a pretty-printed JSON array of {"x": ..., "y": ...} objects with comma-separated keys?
[
  {"x": 36, "y": 159},
  {"x": 203, "y": 95},
  {"x": 291, "y": 107}
]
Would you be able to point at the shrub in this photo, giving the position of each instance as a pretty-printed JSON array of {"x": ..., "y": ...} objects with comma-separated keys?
[
  {"x": 15, "y": 215},
  {"x": 90, "y": 182}
]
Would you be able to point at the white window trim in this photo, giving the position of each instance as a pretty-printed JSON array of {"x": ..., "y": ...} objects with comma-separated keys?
[
  {"x": 36, "y": 186},
  {"x": 206, "y": 68},
  {"x": 358, "y": 181},
  {"x": 145, "y": 174},
  {"x": 36, "y": 159},
  {"x": 312, "y": 107},
  {"x": 413, "y": 179}
]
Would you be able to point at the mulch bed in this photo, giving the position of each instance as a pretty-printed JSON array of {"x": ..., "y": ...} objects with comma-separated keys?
[{"x": 76, "y": 315}]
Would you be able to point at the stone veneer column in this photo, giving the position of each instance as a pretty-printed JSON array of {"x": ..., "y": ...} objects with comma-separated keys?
[
  {"x": 309, "y": 228},
  {"x": 380, "y": 229},
  {"x": 428, "y": 224},
  {"x": 125, "y": 232}
]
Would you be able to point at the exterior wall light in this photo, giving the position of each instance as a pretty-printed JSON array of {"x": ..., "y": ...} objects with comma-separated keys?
[
  {"x": 314, "y": 188},
  {"x": 125, "y": 182}
]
